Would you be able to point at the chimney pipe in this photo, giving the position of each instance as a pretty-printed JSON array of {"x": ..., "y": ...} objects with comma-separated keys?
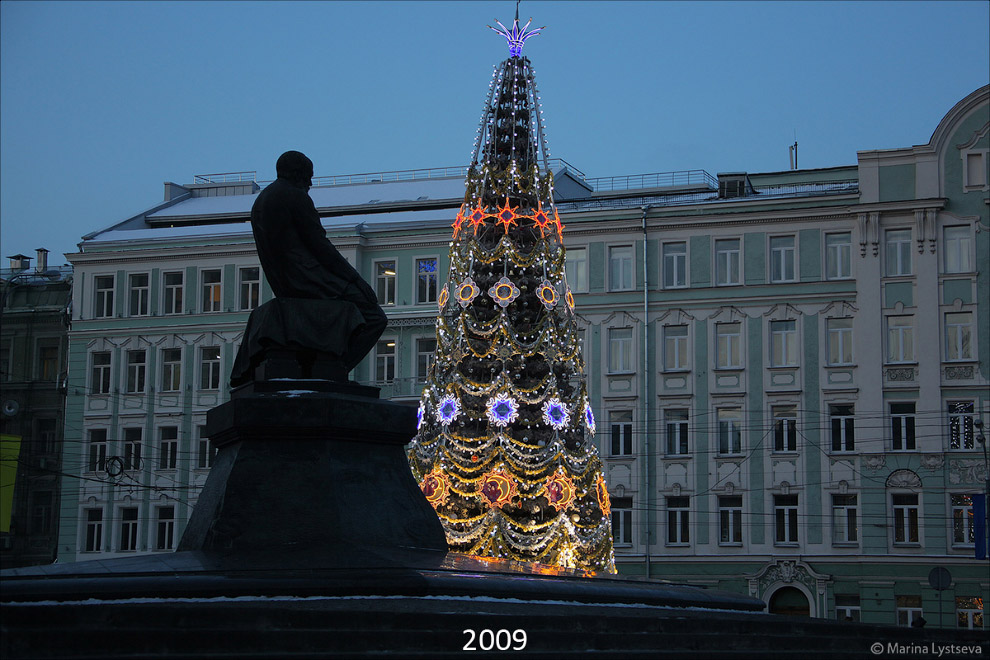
[{"x": 42, "y": 265}]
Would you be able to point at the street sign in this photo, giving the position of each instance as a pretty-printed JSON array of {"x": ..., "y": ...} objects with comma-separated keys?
[{"x": 939, "y": 578}]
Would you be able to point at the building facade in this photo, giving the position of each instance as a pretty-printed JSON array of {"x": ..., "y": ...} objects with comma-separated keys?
[{"x": 789, "y": 369}]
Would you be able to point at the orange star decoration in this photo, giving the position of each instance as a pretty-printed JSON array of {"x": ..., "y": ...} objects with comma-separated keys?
[
  {"x": 541, "y": 219},
  {"x": 560, "y": 491},
  {"x": 459, "y": 221},
  {"x": 477, "y": 217},
  {"x": 497, "y": 489},
  {"x": 601, "y": 490},
  {"x": 506, "y": 215},
  {"x": 556, "y": 223},
  {"x": 435, "y": 487}
]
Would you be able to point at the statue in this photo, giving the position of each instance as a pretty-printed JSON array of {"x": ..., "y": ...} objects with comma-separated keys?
[{"x": 324, "y": 312}]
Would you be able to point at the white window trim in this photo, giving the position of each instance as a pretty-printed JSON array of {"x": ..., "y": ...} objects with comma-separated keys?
[
  {"x": 663, "y": 266},
  {"x": 415, "y": 279},
  {"x": 893, "y": 519},
  {"x": 686, "y": 339},
  {"x": 395, "y": 278},
  {"x": 612, "y": 286},
  {"x": 740, "y": 359},
  {"x": 740, "y": 277},
  {"x": 825, "y": 251},
  {"x": 200, "y": 298},
  {"x": 964, "y": 155},
  {"x": 181, "y": 288},
  {"x": 793, "y": 250},
  {"x": 113, "y": 293},
  {"x": 583, "y": 284},
  {"x": 147, "y": 296}
]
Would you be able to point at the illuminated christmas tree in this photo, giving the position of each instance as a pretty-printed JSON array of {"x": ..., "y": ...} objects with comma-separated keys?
[{"x": 504, "y": 451}]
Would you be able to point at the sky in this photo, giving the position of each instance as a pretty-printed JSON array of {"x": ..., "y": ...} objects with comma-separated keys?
[{"x": 101, "y": 103}]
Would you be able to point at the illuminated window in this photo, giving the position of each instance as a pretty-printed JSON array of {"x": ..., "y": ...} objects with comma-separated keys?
[
  {"x": 48, "y": 362},
  {"x": 969, "y": 613},
  {"x": 385, "y": 282},
  {"x": 212, "y": 290},
  {"x": 962, "y": 520},
  {"x": 385, "y": 361},
  {"x": 900, "y": 339},
  {"x": 426, "y": 280},
  {"x": 959, "y": 336},
  {"x": 961, "y": 423},
  {"x": 783, "y": 343},
  {"x": 908, "y": 608}
]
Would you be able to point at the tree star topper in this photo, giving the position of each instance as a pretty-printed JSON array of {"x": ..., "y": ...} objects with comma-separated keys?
[{"x": 516, "y": 36}]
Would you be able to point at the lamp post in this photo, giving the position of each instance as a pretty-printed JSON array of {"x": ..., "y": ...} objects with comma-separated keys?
[{"x": 982, "y": 439}]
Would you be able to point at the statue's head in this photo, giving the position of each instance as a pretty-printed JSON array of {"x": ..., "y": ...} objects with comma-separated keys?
[{"x": 296, "y": 168}]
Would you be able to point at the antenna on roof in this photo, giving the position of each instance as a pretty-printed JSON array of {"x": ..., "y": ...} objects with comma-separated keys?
[{"x": 792, "y": 150}]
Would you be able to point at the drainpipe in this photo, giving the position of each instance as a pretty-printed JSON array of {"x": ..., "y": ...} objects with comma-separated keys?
[{"x": 646, "y": 385}]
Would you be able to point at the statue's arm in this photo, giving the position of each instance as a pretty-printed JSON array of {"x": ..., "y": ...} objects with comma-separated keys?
[{"x": 314, "y": 236}]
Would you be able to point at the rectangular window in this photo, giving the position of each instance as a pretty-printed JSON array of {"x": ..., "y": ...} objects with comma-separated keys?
[
  {"x": 730, "y": 520},
  {"x": 620, "y": 268},
  {"x": 426, "y": 280},
  {"x": 840, "y": 341},
  {"x": 385, "y": 361},
  {"x": 847, "y": 607},
  {"x": 785, "y": 428},
  {"x": 206, "y": 451},
  {"x": 842, "y": 420},
  {"x": 48, "y": 362},
  {"x": 898, "y": 252},
  {"x": 782, "y": 259},
  {"x": 675, "y": 347},
  {"x": 576, "y": 269},
  {"x": 40, "y": 523},
  {"x": 138, "y": 293},
  {"x": 47, "y": 435},
  {"x": 959, "y": 336},
  {"x": 128, "y": 529},
  {"x": 674, "y": 265},
  {"x": 727, "y": 262},
  {"x": 209, "y": 368},
  {"x": 621, "y": 423},
  {"x": 250, "y": 287},
  {"x": 961, "y": 424},
  {"x": 957, "y": 250},
  {"x": 905, "y": 508},
  {"x": 969, "y": 613},
  {"x": 728, "y": 343},
  {"x": 676, "y": 422},
  {"x": 132, "y": 449},
  {"x": 783, "y": 343},
  {"x": 100, "y": 374},
  {"x": 620, "y": 350},
  {"x": 172, "y": 290},
  {"x": 962, "y": 520},
  {"x": 785, "y": 511},
  {"x": 678, "y": 521},
  {"x": 729, "y": 431},
  {"x": 902, "y": 426},
  {"x": 212, "y": 290},
  {"x": 385, "y": 282},
  {"x": 94, "y": 530},
  {"x": 426, "y": 353},
  {"x": 136, "y": 370},
  {"x": 900, "y": 339},
  {"x": 103, "y": 303},
  {"x": 171, "y": 369},
  {"x": 165, "y": 538},
  {"x": 168, "y": 448},
  {"x": 622, "y": 520},
  {"x": 838, "y": 261},
  {"x": 908, "y": 609},
  {"x": 845, "y": 528},
  {"x": 97, "y": 450},
  {"x": 976, "y": 169}
]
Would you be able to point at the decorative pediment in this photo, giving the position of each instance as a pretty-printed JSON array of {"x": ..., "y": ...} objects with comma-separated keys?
[
  {"x": 728, "y": 314},
  {"x": 620, "y": 319},
  {"x": 675, "y": 317},
  {"x": 903, "y": 479},
  {"x": 787, "y": 571},
  {"x": 782, "y": 312},
  {"x": 839, "y": 309}
]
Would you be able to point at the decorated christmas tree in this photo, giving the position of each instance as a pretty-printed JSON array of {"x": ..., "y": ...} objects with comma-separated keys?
[{"x": 504, "y": 451}]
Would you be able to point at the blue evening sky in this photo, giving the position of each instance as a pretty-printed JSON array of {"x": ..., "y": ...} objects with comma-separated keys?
[{"x": 100, "y": 103}]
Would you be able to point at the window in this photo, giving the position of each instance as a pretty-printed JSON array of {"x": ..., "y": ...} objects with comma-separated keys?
[
  {"x": 46, "y": 430},
  {"x": 678, "y": 521},
  {"x": 136, "y": 369},
  {"x": 385, "y": 361},
  {"x": 728, "y": 343},
  {"x": 97, "y": 450},
  {"x": 840, "y": 341},
  {"x": 847, "y": 607},
  {"x": 206, "y": 451},
  {"x": 100, "y": 374},
  {"x": 209, "y": 368},
  {"x": 165, "y": 537},
  {"x": 250, "y": 287},
  {"x": 620, "y": 349},
  {"x": 961, "y": 420},
  {"x": 40, "y": 523},
  {"x": 171, "y": 369},
  {"x": 576, "y": 269},
  {"x": 908, "y": 609},
  {"x": 677, "y": 431},
  {"x": 902, "y": 426},
  {"x": 785, "y": 512},
  {"x": 729, "y": 431},
  {"x": 621, "y": 423},
  {"x": 905, "y": 508},
  {"x": 838, "y": 248},
  {"x": 128, "y": 529},
  {"x": 900, "y": 339},
  {"x": 845, "y": 530},
  {"x": 426, "y": 353},
  {"x": 168, "y": 448},
  {"x": 962, "y": 520},
  {"x": 622, "y": 520},
  {"x": 138, "y": 293},
  {"x": 843, "y": 427},
  {"x": 385, "y": 282},
  {"x": 103, "y": 304},
  {"x": 957, "y": 250},
  {"x": 674, "y": 265},
  {"x": 975, "y": 165},
  {"x": 132, "y": 449},
  {"x": 426, "y": 280},
  {"x": 94, "y": 530},
  {"x": 620, "y": 268},
  {"x": 730, "y": 520},
  {"x": 675, "y": 347},
  {"x": 172, "y": 285},
  {"x": 48, "y": 362},
  {"x": 782, "y": 259},
  {"x": 785, "y": 428},
  {"x": 959, "y": 336},
  {"x": 212, "y": 290},
  {"x": 969, "y": 613},
  {"x": 727, "y": 262},
  {"x": 783, "y": 343},
  {"x": 898, "y": 252}
]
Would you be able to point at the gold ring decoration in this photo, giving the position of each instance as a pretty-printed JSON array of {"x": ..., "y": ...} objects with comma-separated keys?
[
  {"x": 569, "y": 297},
  {"x": 504, "y": 291},
  {"x": 444, "y": 296},
  {"x": 560, "y": 491},
  {"x": 435, "y": 487},
  {"x": 548, "y": 295},
  {"x": 467, "y": 291},
  {"x": 601, "y": 490},
  {"x": 497, "y": 489}
]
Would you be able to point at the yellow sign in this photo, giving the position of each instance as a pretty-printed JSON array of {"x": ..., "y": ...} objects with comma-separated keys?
[{"x": 10, "y": 451}]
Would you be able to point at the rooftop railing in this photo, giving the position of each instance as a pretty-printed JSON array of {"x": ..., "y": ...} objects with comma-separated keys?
[
  {"x": 226, "y": 177},
  {"x": 655, "y": 180}
]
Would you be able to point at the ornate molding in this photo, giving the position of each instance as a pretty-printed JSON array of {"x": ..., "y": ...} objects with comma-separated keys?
[
  {"x": 932, "y": 461},
  {"x": 869, "y": 231},
  {"x": 903, "y": 479},
  {"x": 874, "y": 462},
  {"x": 962, "y": 372},
  {"x": 787, "y": 571},
  {"x": 967, "y": 470},
  {"x": 899, "y": 374}
]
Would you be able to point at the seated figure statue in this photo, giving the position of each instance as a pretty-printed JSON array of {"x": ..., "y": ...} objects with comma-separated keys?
[{"x": 324, "y": 313}]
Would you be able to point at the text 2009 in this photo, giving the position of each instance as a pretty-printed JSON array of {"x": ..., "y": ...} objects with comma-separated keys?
[{"x": 502, "y": 640}]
